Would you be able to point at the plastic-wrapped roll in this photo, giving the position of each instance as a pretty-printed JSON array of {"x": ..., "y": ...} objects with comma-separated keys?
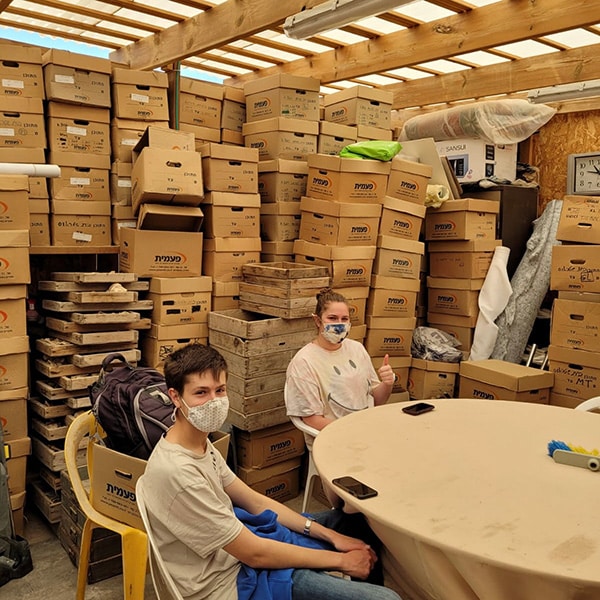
[{"x": 30, "y": 169}]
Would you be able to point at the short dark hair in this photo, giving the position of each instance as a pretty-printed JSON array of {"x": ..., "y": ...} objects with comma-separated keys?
[
  {"x": 193, "y": 358},
  {"x": 325, "y": 297}
]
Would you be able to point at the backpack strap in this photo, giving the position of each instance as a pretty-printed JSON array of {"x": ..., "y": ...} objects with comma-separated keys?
[{"x": 114, "y": 356}]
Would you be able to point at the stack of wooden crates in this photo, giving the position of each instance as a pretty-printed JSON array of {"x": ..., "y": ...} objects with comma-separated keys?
[{"x": 258, "y": 341}]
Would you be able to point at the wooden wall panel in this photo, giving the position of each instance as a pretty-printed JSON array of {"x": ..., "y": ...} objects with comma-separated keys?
[{"x": 564, "y": 134}]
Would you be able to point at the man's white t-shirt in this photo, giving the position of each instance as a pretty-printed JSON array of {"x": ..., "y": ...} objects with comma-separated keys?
[{"x": 192, "y": 519}]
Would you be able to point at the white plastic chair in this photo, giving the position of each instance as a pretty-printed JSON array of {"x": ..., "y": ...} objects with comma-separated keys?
[
  {"x": 591, "y": 404},
  {"x": 164, "y": 586},
  {"x": 312, "y": 470}
]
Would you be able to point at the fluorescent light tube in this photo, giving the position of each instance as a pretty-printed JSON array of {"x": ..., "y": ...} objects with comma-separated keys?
[
  {"x": 334, "y": 14},
  {"x": 567, "y": 91}
]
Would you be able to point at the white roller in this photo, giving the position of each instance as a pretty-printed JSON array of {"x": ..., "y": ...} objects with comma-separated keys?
[{"x": 30, "y": 169}]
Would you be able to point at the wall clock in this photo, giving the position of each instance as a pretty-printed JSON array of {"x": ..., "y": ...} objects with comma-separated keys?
[{"x": 583, "y": 174}]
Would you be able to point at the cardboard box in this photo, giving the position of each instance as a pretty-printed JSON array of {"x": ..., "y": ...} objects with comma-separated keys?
[
  {"x": 76, "y": 78},
  {"x": 259, "y": 449},
  {"x": 348, "y": 266},
  {"x": 282, "y": 180},
  {"x": 113, "y": 484},
  {"x": 333, "y": 137},
  {"x": 202, "y": 135},
  {"x": 461, "y": 259},
  {"x": 12, "y": 311},
  {"x": 82, "y": 184},
  {"x": 14, "y": 196},
  {"x": 466, "y": 219},
  {"x": 225, "y": 220},
  {"x": 82, "y": 129},
  {"x": 280, "y": 481},
  {"x": 397, "y": 257},
  {"x": 14, "y": 360},
  {"x": 234, "y": 138},
  {"x": 460, "y": 328},
  {"x": 159, "y": 217},
  {"x": 391, "y": 303},
  {"x": 22, "y": 122},
  {"x": 493, "y": 379},
  {"x": 356, "y": 298},
  {"x": 229, "y": 168},
  {"x": 575, "y": 268},
  {"x": 282, "y": 96},
  {"x": 401, "y": 218},
  {"x": 576, "y": 372},
  {"x": 126, "y": 133},
  {"x": 162, "y": 340},
  {"x": 160, "y": 253},
  {"x": 226, "y": 295},
  {"x": 274, "y": 251},
  {"x": 280, "y": 222},
  {"x": 431, "y": 379},
  {"x": 14, "y": 256},
  {"x": 159, "y": 136},
  {"x": 563, "y": 400},
  {"x": 233, "y": 114},
  {"x": 179, "y": 301},
  {"x": 282, "y": 137},
  {"x": 578, "y": 220},
  {"x": 21, "y": 71},
  {"x": 575, "y": 325},
  {"x": 224, "y": 257},
  {"x": 346, "y": 179},
  {"x": 122, "y": 216},
  {"x": 339, "y": 223},
  {"x": 37, "y": 185},
  {"x": 389, "y": 335},
  {"x": 453, "y": 296},
  {"x": 16, "y": 463},
  {"x": 198, "y": 102},
  {"x": 366, "y": 132},
  {"x": 408, "y": 180},
  {"x": 473, "y": 159},
  {"x": 166, "y": 177},
  {"x": 120, "y": 183},
  {"x": 39, "y": 222},
  {"x": 13, "y": 414},
  {"x": 140, "y": 95},
  {"x": 74, "y": 223},
  {"x": 360, "y": 105}
]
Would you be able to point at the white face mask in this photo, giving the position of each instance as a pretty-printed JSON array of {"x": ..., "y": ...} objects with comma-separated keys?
[
  {"x": 336, "y": 332},
  {"x": 207, "y": 417}
]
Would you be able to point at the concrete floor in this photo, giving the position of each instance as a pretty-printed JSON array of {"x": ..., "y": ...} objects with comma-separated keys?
[{"x": 54, "y": 575}]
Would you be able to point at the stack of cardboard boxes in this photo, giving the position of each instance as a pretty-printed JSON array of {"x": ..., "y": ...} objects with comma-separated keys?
[
  {"x": 231, "y": 217},
  {"x": 461, "y": 241},
  {"x": 78, "y": 130},
  {"x": 282, "y": 122},
  {"x": 574, "y": 332},
  {"x": 23, "y": 135},
  {"x": 398, "y": 267},
  {"x": 139, "y": 100},
  {"x": 14, "y": 346}
]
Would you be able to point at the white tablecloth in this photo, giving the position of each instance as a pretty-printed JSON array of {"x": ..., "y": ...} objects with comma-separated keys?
[{"x": 470, "y": 505}]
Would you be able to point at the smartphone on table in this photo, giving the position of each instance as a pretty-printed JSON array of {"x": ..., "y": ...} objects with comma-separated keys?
[
  {"x": 418, "y": 409},
  {"x": 355, "y": 487}
]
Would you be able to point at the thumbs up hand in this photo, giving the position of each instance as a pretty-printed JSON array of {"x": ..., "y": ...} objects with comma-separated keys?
[{"x": 386, "y": 374}]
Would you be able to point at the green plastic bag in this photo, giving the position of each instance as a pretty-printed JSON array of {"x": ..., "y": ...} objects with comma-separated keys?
[{"x": 372, "y": 149}]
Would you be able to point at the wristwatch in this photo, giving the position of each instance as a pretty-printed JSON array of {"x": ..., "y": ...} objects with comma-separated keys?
[{"x": 307, "y": 526}]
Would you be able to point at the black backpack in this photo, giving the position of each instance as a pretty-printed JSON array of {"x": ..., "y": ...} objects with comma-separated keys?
[{"x": 132, "y": 405}]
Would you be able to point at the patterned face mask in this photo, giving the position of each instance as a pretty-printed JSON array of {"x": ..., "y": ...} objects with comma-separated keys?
[
  {"x": 336, "y": 332},
  {"x": 207, "y": 417}
]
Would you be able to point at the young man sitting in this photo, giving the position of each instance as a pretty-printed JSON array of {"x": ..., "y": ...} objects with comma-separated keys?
[{"x": 210, "y": 553}]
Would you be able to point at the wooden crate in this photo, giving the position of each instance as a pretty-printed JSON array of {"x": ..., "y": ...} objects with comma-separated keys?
[
  {"x": 251, "y": 326},
  {"x": 282, "y": 289},
  {"x": 258, "y": 420},
  {"x": 47, "y": 500},
  {"x": 257, "y": 385},
  {"x": 248, "y": 405},
  {"x": 256, "y": 366},
  {"x": 263, "y": 346}
]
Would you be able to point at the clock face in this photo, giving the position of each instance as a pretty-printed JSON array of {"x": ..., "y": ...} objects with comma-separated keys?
[{"x": 584, "y": 174}]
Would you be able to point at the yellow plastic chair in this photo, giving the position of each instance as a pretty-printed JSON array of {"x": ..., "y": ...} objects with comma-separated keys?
[
  {"x": 164, "y": 586},
  {"x": 134, "y": 542}
]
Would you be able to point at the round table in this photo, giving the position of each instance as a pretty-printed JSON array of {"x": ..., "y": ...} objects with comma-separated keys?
[{"x": 470, "y": 505}]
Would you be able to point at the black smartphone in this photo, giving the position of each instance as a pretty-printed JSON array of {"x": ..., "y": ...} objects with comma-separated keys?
[
  {"x": 418, "y": 409},
  {"x": 355, "y": 487}
]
